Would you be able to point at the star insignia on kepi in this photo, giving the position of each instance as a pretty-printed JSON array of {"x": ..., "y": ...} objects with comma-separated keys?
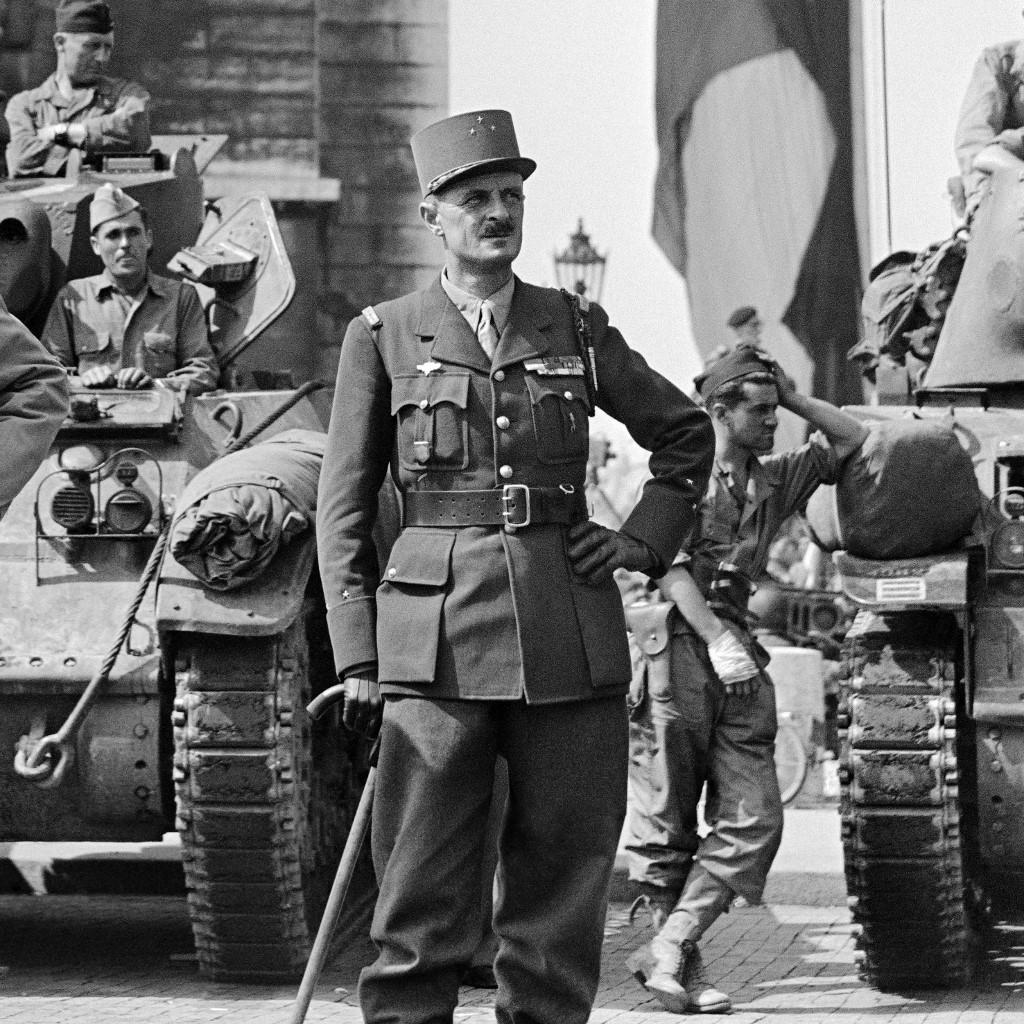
[
  {"x": 472, "y": 131},
  {"x": 479, "y": 120}
]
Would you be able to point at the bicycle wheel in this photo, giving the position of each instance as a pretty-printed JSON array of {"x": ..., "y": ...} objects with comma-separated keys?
[{"x": 790, "y": 761}]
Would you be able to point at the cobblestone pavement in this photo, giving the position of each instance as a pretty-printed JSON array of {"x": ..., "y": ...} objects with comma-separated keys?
[{"x": 102, "y": 959}]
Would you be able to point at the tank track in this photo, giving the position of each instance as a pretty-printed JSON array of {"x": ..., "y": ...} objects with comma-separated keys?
[
  {"x": 903, "y": 841},
  {"x": 264, "y": 798}
]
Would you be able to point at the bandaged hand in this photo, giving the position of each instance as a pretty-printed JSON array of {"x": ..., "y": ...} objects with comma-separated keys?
[{"x": 734, "y": 666}]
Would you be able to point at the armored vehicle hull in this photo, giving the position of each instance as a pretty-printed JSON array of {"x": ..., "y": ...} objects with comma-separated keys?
[
  {"x": 932, "y": 708},
  {"x": 196, "y": 721}
]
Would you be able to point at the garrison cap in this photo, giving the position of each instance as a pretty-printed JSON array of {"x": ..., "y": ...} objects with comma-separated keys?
[
  {"x": 738, "y": 363},
  {"x": 478, "y": 142},
  {"x": 108, "y": 202},
  {"x": 84, "y": 16},
  {"x": 738, "y": 317}
]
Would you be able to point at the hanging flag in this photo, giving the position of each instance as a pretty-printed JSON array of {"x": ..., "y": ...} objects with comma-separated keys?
[{"x": 753, "y": 199}]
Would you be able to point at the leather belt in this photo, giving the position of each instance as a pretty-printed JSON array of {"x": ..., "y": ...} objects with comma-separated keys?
[{"x": 514, "y": 505}]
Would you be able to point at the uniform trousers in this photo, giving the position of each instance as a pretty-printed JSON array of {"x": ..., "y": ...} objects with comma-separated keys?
[
  {"x": 567, "y": 789},
  {"x": 685, "y": 732}
]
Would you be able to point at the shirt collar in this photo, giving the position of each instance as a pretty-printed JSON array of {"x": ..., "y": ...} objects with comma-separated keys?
[
  {"x": 759, "y": 481},
  {"x": 469, "y": 305},
  {"x": 151, "y": 284}
]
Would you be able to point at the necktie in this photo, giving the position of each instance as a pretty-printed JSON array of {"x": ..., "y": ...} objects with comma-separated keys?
[{"x": 486, "y": 332}]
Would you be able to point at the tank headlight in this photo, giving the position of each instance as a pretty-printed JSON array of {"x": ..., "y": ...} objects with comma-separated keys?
[
  {"x": 81, "y": 458},
  {"x": 72, "y": 507},
  {"x": 1008, "y": 544},
  {"x": 128, "y": 511}
]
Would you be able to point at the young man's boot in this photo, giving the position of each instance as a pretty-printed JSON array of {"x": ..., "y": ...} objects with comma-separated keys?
[
  {"x": 675, "y": 969},
  {"x": 659, "y": 902},
  {"x": 703, "y": 996}
]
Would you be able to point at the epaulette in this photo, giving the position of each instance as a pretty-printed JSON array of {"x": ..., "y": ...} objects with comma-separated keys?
[
  {"x": 584, "y": 304},
  {"x": 371, "y": 318}
]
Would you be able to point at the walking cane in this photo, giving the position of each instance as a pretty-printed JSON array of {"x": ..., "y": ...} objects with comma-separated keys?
[{"x": 346, "y": 868}]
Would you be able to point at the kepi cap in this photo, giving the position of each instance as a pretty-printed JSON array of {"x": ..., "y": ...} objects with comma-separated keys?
[
  {"x": 738, "y": 317},
  {"x": 739, "y": 363},
  {"x": 480, "y": 141},
  {"x": 108, "y": 202},
  {"x": 84, "y": 16}
]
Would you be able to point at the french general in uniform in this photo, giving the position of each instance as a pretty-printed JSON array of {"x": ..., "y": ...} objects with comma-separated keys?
[{"x": 495, "y": 627}]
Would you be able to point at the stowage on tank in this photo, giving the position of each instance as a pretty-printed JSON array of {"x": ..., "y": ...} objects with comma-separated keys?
[
  {"x": 932, "y": 711},
  {"x": 200, "y": 725}
]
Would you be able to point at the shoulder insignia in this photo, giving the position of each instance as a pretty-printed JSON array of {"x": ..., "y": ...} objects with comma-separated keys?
[{"x": 370, "y": 316}]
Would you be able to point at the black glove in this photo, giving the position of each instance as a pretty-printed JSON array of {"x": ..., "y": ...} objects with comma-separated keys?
[
  {"x": 596, "y": 552},
  {"x": 363, "y": 706}
]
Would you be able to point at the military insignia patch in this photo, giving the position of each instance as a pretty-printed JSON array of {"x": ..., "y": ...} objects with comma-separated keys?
[
  {"x": 555, "y": 366},
  {"x": 428, "y": 368}
]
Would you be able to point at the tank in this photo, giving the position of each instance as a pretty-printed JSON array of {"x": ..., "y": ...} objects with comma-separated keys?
[
  {"x": 931, "y": 709},
  {"x": 202, "y": 725}
]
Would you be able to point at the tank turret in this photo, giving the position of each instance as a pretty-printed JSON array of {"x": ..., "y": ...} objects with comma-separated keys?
[{"x": 982, "y": 339}]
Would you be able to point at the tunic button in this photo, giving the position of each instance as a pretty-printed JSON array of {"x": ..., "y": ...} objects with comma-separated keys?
[
  {"x": 568, "y": 396},
  {"x": 499, "y": 374},
  {"x": 505, "y": 472},
  {"x": 423, "y": 403},
  {"x": 503, "y": 422},
  {"x": 392, "y": 573}
]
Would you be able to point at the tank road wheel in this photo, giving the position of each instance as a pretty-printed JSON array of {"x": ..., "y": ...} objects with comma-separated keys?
[
  {"x": 904, "y": 840},
  {"x": 264, "y": 798}
]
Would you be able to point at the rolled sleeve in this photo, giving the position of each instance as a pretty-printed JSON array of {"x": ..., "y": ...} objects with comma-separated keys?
[
  {"x": 677, "y": 433},
  {"x": 126, "y": 127}
]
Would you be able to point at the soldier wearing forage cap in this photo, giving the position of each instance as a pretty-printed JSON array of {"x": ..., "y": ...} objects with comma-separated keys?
[
  {"x": 129, "y": 327},
  {"x": 498, "y": 628},
  {"x": 78, "y": 106},
  {"x": 709, "y": 715},
  {"x": 746, "y": 325}
]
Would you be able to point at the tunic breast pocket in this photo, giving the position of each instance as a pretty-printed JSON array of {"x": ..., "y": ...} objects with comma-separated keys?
[
  {"x": 158, "y": 353},
  {"x": 559, "y": 418},
  {"x": 433, "y": 432},
  {"x": 95, "y": 348}
]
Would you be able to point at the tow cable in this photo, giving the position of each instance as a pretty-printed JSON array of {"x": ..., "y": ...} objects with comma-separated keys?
[{"x": 45, "y": 760}]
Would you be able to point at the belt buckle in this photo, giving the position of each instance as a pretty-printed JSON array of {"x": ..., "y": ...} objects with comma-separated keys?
[{"x": 507, "y": 497}]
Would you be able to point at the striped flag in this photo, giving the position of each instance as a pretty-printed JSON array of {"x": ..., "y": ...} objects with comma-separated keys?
[{"x": 753, "y": 196}]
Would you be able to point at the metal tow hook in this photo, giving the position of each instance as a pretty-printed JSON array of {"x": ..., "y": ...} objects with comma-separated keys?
[{"x": 47, "y": 760}]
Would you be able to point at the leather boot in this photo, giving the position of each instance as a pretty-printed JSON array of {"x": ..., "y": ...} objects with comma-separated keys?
[
  {"x": 703, "y": 996},
  {"x": 664, "y": 977}
]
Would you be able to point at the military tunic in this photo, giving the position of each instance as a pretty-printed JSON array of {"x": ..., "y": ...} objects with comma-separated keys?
[{"x": 486, "y": 642}]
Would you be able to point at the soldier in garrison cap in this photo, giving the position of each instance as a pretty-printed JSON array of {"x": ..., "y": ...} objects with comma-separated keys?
[
  {"x": 128, "y": 327},
  {"x": 79, "y": 106},
  {"x": 498, "y": 628},
  {"x": 746, "y": 325},
  {"x": 709, "y": 715}
]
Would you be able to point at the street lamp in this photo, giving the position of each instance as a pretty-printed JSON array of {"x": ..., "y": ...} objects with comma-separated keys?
[{"x": 580, "y": 267}]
